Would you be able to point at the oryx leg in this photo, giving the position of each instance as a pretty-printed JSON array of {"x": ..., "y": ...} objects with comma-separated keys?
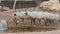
[{"x": 32, "y": 21}]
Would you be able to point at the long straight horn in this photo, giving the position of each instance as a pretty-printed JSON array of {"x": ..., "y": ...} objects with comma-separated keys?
[
  {"x": 14, "y": 6},
  {"x": 0, "y": 1}
]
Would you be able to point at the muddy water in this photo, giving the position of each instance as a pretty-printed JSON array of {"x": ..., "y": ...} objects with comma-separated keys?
[{"x": 13, "y": 30}]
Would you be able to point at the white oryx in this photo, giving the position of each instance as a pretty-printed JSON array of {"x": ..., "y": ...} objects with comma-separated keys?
[
  {"x": 3, "y": 26},
  {"x": 37, "y": 15}
]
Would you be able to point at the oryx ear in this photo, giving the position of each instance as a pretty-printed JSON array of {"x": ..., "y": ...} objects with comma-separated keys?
[
  {"x": 26, "y": 13},
  {"x": 14, "y": 14}
]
